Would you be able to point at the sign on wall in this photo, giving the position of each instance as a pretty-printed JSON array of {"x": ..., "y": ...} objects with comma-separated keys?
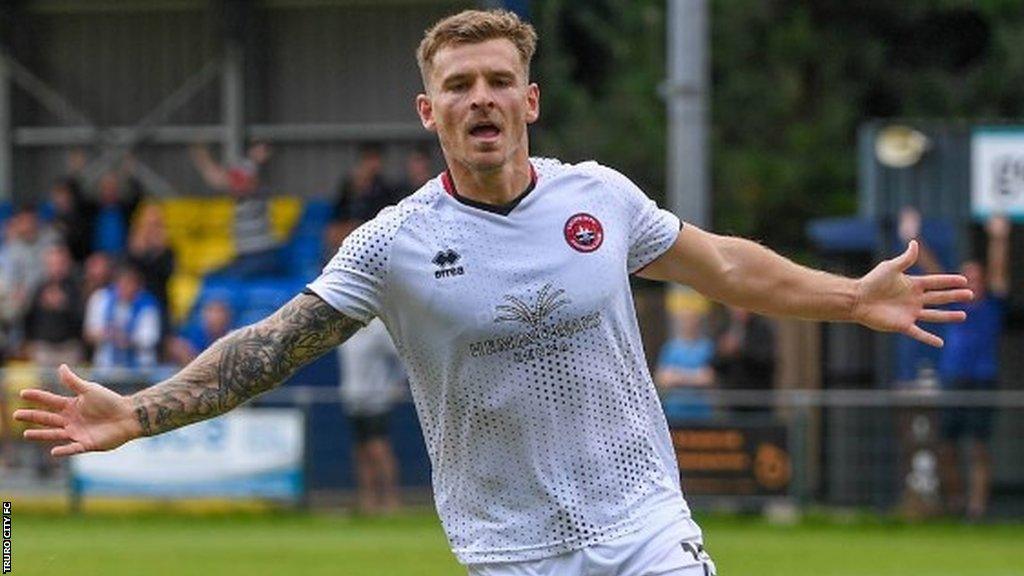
[
  {"x": 248, "y": 453},
  {"x": 997, "y": 171},
  {"x": 732, "y": 459}
]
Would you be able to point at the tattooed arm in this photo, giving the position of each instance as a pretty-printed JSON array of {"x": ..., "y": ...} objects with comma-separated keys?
[{"x": 239, "y": 366}]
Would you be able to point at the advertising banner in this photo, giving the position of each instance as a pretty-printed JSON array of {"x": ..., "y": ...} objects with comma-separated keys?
[
  {"x": 248, "y": 453},
  {"x": 726, "y": 459},
  {"x": 997, "y": 171}
]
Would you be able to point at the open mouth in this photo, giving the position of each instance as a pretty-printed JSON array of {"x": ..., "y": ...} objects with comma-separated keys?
[{"x": 485, "y": 130}]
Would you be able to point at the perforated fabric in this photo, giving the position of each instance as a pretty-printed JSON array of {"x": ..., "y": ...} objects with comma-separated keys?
[{"x": 524, "y": 356}]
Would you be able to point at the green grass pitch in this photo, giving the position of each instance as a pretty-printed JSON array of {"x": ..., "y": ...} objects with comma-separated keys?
[{"x": 413, "y": 545}]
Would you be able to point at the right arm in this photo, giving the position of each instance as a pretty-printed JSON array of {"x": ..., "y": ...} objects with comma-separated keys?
[
  {"x": 239, "y": 366},
  {"x": 910, "y": 229},
  {"x": 243, "y": 364},
  {"x": 998, "y": 229},
  {"x": 213, "y": 173}
]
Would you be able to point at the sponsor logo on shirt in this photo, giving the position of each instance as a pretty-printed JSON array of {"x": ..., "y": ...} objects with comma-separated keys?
[
  {"x": 445, "y": 260},
  {"x": 543, "y": 335},
  {"x": 584, "y": 232}
]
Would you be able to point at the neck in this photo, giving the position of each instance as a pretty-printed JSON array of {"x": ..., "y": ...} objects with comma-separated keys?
[{"x": 498, "y": 186}]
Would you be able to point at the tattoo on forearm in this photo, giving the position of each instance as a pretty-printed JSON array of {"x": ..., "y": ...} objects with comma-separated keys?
[{"x": 243, "y": 364}]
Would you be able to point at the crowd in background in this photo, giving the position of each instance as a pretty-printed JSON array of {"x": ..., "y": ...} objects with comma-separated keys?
[
  {"x": 84, "y": 274},
  {"x": 722, "y": 347}
]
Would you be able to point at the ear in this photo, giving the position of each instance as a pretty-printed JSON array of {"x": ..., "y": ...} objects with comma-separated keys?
[
  {"x": 425, "y": 109},
  {"x": 532, "y": 103}
]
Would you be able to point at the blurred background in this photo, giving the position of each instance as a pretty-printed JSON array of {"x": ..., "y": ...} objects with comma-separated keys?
[{"x": 173, "y": 169}]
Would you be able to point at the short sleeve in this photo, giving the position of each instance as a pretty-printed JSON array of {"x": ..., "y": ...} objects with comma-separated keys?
[
  {"x": 354, "y": 280},
  {"x": 652, "y": 230}
]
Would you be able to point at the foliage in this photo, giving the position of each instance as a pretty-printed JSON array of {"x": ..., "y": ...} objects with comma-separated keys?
[
  {"x": 791, "y": 82},
  {"x": 599, "y": 66}
]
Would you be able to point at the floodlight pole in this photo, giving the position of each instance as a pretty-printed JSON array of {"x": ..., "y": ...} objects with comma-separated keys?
[
  {"x": 233, "y": 101},
  {"x": 687, "y": 95},
  {"x": 236, "y": 22}
]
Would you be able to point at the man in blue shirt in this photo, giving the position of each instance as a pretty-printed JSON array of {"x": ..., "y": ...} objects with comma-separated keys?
[
  {"x": 970, "y": 361},
  {"x": 684, "y": 363}
]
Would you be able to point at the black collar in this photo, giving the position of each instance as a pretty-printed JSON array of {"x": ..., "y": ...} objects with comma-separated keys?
[{"x": 501, "y": 209}]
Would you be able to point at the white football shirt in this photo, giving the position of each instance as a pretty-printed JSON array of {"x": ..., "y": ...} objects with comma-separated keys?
[{"x": 520, "y": 338}]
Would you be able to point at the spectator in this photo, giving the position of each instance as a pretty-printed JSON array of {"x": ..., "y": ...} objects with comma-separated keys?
[
  {"x": 215, "y": 322},
  {"x": 122, "y": 322},
  {"x": 361, "y": 195},
  {"x": 118, "y": 196},
  {"x": 684, "y": 364},
  {"x": 916, "y": 363},
  {"x": 99, "y": 273},
  {"x": 257, "y": 251},
  {"x": 21, "y": 270},
  {"x": 370, "y": 387},
  {"x": 745, "y": 354},
  {"x": 970, "y": 361},
  {"x": 53, "y": 325},
  {"x": 149, "y": 252},
  {"x": 73, "y": 217},
  {"x": 418, "y": 170}
]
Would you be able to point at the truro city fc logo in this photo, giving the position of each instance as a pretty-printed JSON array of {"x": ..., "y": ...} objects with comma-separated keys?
[
  {"x": 543, "y": 334},
  {"x": 584, "y": 232}
]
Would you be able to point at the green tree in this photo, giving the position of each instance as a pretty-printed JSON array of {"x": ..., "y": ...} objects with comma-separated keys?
[
  {"x": 600, "y": 64},
  {"x": 791, "y": 82}
]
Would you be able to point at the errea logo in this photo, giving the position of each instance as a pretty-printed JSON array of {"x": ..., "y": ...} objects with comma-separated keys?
[{"x": 445, "y": 260}]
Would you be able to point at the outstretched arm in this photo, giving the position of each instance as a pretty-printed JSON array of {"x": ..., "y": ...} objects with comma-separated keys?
[
  {"x": 745, "y": 274},
  {"x": 998, "y": 230},
  {"x": 239, "y": 366}
]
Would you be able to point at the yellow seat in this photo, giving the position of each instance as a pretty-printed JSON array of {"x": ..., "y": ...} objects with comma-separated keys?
[
  {"x": 190, "y": 217},
  {"x": 284, "y": 214},
  {"x": 182, "y": 290},
  {"x": 201, "y": 256}
]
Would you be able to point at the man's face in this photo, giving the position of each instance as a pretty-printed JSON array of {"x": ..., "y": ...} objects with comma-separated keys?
[
  {"x": 110, "y": 188},
  {"x": 57, "y": 262},
  {"x": 128, "y": 286},
  {"x": 25, "y": 226},
  {"x": 479, "y": 103},
  {"x": 216, "y": 319}
]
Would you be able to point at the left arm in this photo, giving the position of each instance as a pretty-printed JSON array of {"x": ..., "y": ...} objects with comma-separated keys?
[
  {"x": 745, "y": 274},
  {"x": 998, "y": 230}
]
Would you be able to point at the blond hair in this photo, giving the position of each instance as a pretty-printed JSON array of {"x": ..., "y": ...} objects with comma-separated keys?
[{"x": 473, "y": 26}]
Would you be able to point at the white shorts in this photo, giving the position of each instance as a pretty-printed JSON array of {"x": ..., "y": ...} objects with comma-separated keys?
[{"x": 654, "y": 550}]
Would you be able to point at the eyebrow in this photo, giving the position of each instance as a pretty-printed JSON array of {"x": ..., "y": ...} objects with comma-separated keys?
[{"x": 462, "y": 76}]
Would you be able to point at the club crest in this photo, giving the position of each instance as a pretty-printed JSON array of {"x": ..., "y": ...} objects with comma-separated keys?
[{"x": 584, "y": 232}]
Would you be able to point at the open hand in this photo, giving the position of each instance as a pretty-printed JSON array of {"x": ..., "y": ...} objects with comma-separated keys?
[
  {"x": 891, "y": 301},
  {"x": 95, "y": 419}
]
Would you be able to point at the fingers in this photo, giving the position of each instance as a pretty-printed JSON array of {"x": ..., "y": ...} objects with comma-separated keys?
[
  {"x": 71, "y": 380},
  {"x": 44, "y": 398},
  {"x": 941, "y": 297},
  {"x": 67, "y": 449},
  {"x": 41, "y": 417},
  {"x": 46, "y": 434},
  {"x": 942, "y": 316},
  {"x": 909, "y": 257},
  {"x": 942, "y": 281},
  {"x": 921, "y": 335}
]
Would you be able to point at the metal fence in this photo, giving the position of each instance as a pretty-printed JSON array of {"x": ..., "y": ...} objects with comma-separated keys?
[{"x": 880, "y": 450}]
